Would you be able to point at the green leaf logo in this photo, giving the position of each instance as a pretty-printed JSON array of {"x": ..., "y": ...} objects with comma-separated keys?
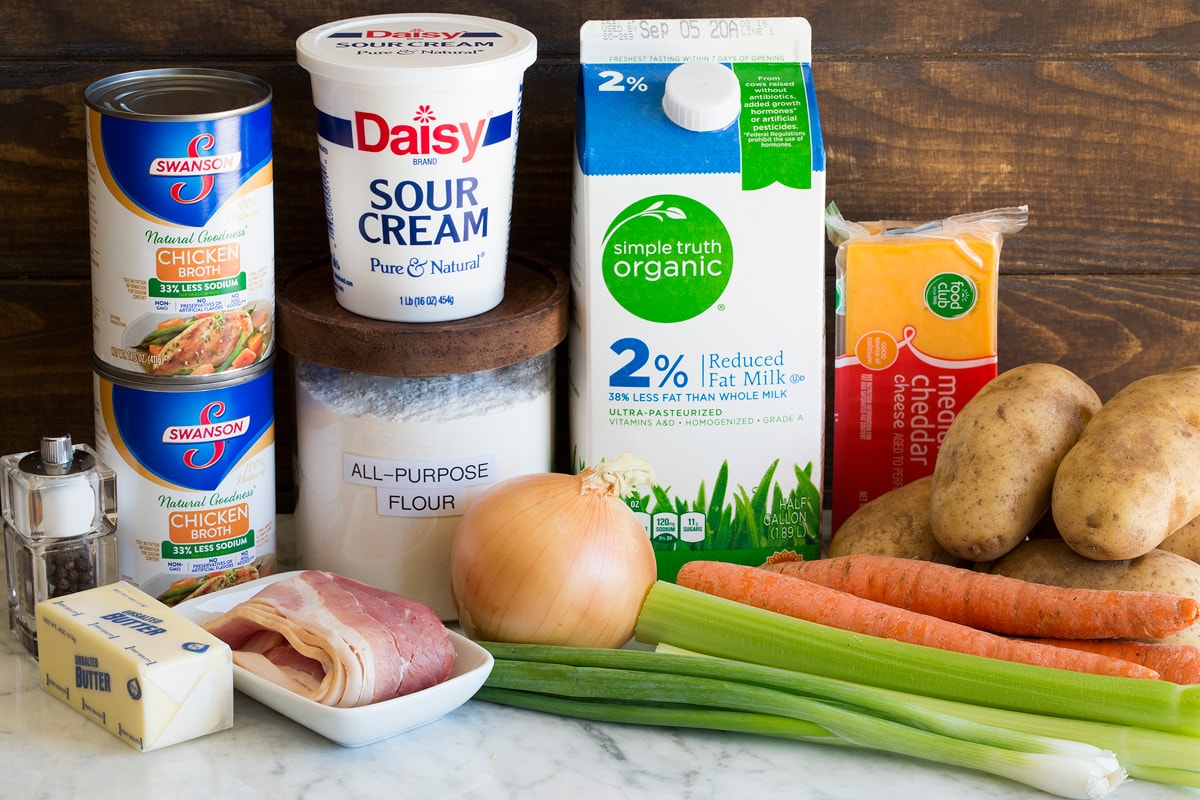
[{"x": 667, "y": 258}]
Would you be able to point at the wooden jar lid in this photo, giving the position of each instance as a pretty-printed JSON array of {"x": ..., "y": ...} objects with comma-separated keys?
[{"x": 530, "y": 320}]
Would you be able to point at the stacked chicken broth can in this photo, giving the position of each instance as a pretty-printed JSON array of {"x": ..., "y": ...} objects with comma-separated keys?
[{"x": 183, "y": 305}]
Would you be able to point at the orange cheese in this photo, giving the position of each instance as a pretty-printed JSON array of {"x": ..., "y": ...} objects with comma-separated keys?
[{"x": 887, "y": 279}]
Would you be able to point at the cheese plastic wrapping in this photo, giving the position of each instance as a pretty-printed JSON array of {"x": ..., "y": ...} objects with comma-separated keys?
[
  {"x": 133, "y": 666},
  {"x": 915, "y": 339}
]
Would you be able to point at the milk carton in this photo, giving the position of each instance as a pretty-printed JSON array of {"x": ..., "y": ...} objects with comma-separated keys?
[{"x": 697, "y": 339}]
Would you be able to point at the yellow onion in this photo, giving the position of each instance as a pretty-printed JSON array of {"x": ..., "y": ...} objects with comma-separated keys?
[{"x": 551, "y": 558}]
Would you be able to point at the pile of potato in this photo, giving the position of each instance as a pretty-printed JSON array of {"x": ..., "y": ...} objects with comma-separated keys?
[{"x": 1037, "y": 479}]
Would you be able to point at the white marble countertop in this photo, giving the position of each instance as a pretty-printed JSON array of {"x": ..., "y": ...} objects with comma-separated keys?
[{"x": 481, "y": 750}]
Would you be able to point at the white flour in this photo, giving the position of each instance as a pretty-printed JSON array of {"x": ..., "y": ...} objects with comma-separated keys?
[{"x": 355, "y": 430}]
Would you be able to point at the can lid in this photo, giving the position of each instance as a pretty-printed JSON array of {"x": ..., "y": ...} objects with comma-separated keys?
[
  {"x": 184, "y": 94},
  {"x": 417, "y": 49},
  {"x": 531, "y": 320}
]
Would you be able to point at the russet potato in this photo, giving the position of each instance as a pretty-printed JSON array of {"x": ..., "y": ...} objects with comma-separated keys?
[
  {"x": 996, "y": 466},
  {"x": 894, "y": 524},
  {"x": 1133, "y": 478},
  {"x": 1185, "y": 541}
]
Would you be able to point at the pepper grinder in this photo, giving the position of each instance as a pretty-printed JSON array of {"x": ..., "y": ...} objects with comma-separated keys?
[{"x": 60, "y": 527}]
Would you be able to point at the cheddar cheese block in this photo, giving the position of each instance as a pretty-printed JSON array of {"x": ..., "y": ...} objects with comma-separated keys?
[{"x": 916, "y": 338}]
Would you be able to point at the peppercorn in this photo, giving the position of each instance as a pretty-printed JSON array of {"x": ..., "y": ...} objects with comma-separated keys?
[{"x": 69, "y": 569}]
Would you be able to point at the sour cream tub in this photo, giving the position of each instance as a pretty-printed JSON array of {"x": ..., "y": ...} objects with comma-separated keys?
[{"x": 417, "y": 120}]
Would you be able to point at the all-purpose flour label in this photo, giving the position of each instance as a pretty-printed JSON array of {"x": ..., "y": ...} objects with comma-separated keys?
[
  {"x": 420, "y": 488},
  {"x": 698, "y": 270}
]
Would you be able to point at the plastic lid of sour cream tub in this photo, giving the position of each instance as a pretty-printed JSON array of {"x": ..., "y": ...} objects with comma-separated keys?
[{"x": 416, "y": 49}]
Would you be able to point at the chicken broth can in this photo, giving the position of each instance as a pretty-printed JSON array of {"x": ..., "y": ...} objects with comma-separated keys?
[
  {"x": 182, "y": 221},
  {"x": 195, "y": 463}
]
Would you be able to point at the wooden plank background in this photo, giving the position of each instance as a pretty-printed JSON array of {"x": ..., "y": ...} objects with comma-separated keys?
[{"x": 1087, "y": 111}]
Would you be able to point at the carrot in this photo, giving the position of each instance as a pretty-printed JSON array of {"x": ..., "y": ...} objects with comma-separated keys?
[
  {"x": 255, "y": 342},
  {"x": 244, "y": 359},
  {"x": 1177, "y": 663},
  {"x": 1001, "y": 604},
  {"x": 796, "y": 597}
]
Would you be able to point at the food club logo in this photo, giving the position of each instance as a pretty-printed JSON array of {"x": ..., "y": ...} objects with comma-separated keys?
[
  {"x": 199, "y": 163},
  {"x": 212, "y": 430}
]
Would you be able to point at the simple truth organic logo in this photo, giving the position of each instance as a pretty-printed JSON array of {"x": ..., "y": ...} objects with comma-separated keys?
[{"x": 667, "y": 258}]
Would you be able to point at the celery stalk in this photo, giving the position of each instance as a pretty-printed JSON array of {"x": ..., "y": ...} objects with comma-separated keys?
[
  {"x": 1068, "y": 769},
  {"x": 715, "y": 626}
]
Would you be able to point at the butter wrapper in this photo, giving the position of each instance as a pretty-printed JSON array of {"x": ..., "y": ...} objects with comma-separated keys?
[{"x": 133, "y": 666}]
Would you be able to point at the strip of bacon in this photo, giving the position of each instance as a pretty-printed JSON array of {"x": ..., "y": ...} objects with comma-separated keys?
[{"x": 337, "y": 641}]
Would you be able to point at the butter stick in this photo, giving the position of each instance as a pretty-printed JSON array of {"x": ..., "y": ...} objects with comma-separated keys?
[{"x": 135, "y": 667}]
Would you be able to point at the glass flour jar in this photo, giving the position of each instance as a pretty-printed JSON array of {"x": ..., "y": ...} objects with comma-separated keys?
[{"x": 399, "y": 426}]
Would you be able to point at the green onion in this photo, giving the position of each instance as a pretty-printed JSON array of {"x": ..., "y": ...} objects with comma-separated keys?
[
  {"x": 713, "y": 719},
  {"x": 893, "y": 706},
  {"x": 1141, "y": 751},
  {"x": 701, "y": 692},
  {"x": 1146, "y": 754},
  {"x": 1179, "y": 777},
  {"x": 713, "y": 626}
]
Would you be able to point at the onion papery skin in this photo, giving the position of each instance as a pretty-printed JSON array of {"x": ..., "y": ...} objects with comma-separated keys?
[{"x": 538, "y": 559}]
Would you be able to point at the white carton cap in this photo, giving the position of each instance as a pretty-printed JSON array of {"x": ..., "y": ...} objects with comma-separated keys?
[
  {"x": 416, "y": 50},
  {"x": 702, "y": 96}
]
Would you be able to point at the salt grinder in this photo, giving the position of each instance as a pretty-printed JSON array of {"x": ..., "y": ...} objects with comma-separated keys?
[{"x": 60, "y": 520}]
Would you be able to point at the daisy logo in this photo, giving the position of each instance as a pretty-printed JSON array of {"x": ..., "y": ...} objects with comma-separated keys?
[{"x": 425, "y": 136}]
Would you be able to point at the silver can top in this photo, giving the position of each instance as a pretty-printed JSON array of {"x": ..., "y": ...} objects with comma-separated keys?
[{"x": 183, "y": 94}]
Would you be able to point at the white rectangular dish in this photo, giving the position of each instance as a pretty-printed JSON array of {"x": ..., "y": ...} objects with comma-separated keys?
[{"x": 350, "y": 727}]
